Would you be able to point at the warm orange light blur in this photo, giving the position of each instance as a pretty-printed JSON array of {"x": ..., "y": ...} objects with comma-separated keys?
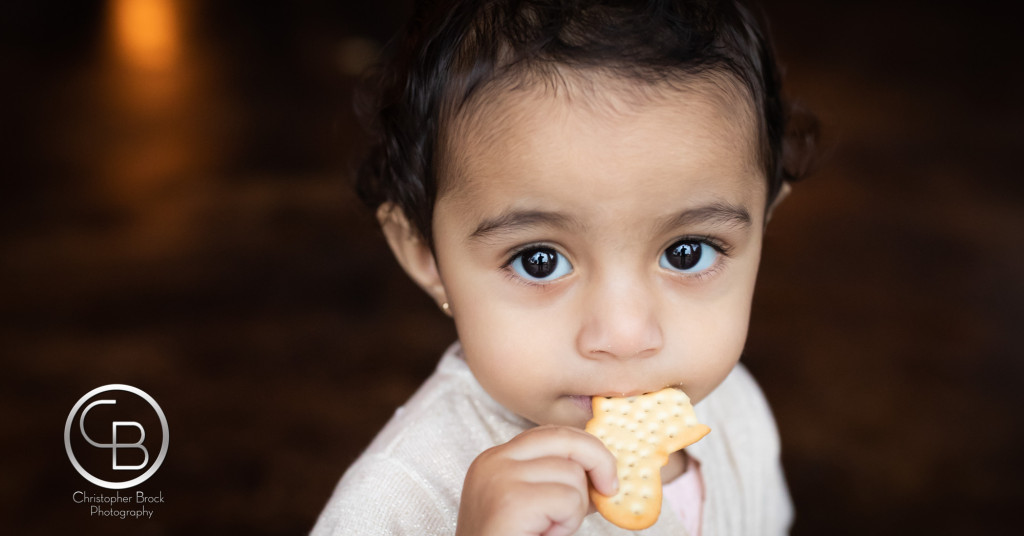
[{"x": 146, "y": 32}]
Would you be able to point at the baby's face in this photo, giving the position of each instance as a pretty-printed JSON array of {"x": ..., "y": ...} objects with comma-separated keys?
[{"x": 600, "y": 245}]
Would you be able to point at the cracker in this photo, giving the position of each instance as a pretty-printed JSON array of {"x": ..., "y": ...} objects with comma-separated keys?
[{"x": 641, "y": 431}]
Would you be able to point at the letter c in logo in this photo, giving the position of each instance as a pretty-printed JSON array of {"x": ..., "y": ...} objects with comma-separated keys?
[{"x": 113, "y": 445}]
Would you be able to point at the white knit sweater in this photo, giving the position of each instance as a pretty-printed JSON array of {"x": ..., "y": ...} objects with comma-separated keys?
[{"x": 410, "y": 477}]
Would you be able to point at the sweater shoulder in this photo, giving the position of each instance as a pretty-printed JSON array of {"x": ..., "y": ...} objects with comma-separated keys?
[{"x": 409, "y": 479}]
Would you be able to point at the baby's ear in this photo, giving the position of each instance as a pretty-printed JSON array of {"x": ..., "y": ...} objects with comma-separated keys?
[
  {"x": 779, "y": 197},
  {"x": 412, "y": 252}
]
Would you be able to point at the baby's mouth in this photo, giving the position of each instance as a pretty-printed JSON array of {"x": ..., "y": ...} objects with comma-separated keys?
[{"x": 584, "y": 403}]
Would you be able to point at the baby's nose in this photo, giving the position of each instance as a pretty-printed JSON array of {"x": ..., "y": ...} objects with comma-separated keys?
[{"x": 620, "y": 320}]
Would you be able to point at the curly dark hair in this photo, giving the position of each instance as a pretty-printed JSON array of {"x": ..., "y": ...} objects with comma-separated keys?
[{"x": 451, "y": 50}]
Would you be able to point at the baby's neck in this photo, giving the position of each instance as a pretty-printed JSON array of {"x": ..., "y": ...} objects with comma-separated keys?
[{"x": 677, "y": 462}]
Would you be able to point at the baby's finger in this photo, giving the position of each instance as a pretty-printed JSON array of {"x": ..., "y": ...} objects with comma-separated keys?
[
  {"x": 563, "y": 506},
  {"x": 572, "y": 444},
  {"x": 555, "y": 470}
]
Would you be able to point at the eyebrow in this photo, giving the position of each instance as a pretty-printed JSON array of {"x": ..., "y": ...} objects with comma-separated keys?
[
  {"x": 714, "y": 214},
  {"x": 517, "y": 220}
]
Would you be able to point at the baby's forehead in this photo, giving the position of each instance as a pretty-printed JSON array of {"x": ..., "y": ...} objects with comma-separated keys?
[{"x": 503, "y": 110}]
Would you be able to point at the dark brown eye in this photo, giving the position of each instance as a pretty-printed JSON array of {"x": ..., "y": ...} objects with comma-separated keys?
[
  {"x": 688, "y": 256},
  {"x": 541, "y": 264}
]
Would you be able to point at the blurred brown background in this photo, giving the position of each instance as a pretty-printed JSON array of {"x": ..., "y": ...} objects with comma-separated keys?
[{"x": 175, "y": 216}]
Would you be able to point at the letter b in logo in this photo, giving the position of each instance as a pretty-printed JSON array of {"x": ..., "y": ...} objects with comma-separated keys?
[
  {"x": 114, "y": 445},
  {"x": 119, "y": 431}
]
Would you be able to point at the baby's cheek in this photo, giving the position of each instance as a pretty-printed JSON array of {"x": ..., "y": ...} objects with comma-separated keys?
[
  {"x": 501, "y": 364},
  {"x": 718, "y": 352}
]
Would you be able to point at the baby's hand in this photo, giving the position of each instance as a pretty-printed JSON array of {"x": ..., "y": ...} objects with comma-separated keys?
[{"x": 535, "y": 484}]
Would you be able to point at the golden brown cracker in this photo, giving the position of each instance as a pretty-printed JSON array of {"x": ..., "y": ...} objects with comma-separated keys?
[{"x": 641, "y": 431}]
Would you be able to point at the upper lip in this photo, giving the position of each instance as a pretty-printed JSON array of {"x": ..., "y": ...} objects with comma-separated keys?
[{"x": 627, "y": 394}]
